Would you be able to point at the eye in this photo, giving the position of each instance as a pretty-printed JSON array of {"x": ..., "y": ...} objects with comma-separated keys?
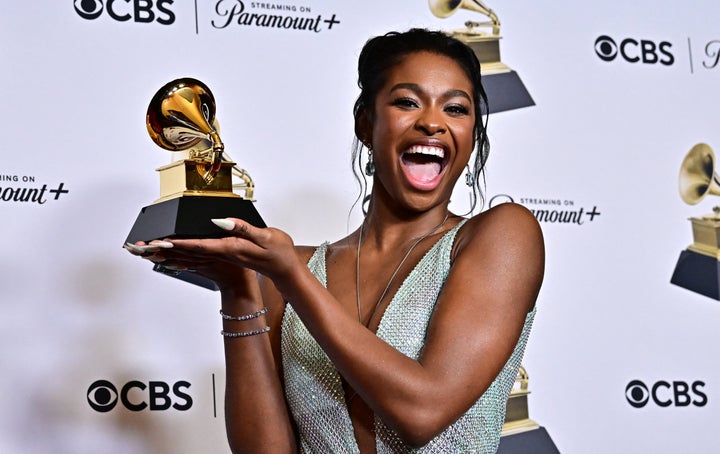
[
  {"x": 457, "y": 109},
  {"x": 405, "y": 103}
]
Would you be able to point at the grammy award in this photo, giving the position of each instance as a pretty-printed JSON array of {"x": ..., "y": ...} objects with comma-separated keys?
[
  {"x": 520, "y": 434},
  {"x": 503, "y": 86},
  {"x": 698, "y": 268},
  {"x": 199, "y": 186}
]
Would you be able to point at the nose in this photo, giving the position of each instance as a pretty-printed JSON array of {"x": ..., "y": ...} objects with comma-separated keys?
[{"x": 431, "y": 122}]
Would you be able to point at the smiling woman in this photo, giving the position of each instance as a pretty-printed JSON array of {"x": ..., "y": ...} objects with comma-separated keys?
[
  {"x": 422, "y": 120},
  {"x": 408, "y": 333}
]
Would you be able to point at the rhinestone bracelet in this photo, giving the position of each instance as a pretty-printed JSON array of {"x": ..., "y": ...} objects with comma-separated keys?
[
  {"x": 242, "y": 318},
  {"x": 246, "y": 333}
]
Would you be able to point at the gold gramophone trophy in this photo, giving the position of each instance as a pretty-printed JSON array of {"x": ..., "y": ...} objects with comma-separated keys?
[
  {"x": 698, "y": 268},
  {"x": 503, "y": 86},
  {"x": 199, "y": 187},
  {"x": 519, "y": 432}
]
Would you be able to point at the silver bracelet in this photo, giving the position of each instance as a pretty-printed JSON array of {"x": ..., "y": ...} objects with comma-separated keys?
[
  {"x": 246, "y": 333},
  {"x": 242, "y": 318}
]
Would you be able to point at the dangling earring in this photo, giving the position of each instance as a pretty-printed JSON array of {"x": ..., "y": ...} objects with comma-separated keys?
[
  {"x": 469, "y": 178},
  {"x": 370, "y": 166},
  {"x": 470, "y": 182}
]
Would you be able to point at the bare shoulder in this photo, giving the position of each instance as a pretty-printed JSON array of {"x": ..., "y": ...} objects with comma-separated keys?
[
  {"x": 505, "y": 245},
  {"x": 506, "y": 226}
]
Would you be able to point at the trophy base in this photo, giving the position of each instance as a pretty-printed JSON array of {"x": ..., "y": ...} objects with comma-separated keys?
[
  {"x": 505, "y": 91},
  {"x": 698, "y": 273},
  {"x": 537, "y": 441},
  {"x": 189, "y": 217},
  {"x": 517, "y": 407},
  {"x": 187, "y": 276}
]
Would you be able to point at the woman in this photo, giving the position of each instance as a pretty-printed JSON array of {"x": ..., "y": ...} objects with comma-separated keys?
[{"x": 407, "y": 333}]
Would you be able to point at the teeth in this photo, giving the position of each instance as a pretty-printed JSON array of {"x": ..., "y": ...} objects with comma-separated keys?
[{"x": 432, "y": 151}]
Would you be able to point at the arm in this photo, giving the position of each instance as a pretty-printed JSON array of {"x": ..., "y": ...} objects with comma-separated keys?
[
  {"x": 256, "y": 415},
  {"x": 493, "y": 283}
]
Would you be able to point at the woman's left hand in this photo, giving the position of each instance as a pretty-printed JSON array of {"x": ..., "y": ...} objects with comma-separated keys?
[{"x": 268, "y": 251}]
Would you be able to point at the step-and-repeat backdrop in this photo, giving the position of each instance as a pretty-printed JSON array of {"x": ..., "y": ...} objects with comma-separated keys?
[{"x": 101, "y": 354}]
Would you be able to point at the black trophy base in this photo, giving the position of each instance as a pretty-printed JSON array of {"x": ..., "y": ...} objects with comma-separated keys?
[
  {"x": 536, "y": 441},
  {"x": 189, "y": 217},
  {"x": 505, "y": 91},
  {"x": 698, "y": 273}
]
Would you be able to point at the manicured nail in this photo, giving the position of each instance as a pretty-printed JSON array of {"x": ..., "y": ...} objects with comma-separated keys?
[
  {"x": 134, "y": 249},
  {"x": 225, "y": 224},
  {"x": 175, "y": 268},
  {"x": 162, "y": 244}
]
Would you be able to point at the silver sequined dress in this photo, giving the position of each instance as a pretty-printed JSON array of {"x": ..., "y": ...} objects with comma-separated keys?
[{"x": 314, "y": 389}]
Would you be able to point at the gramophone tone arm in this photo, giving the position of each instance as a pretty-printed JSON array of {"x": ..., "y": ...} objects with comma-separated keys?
[
  {"x": 247, "y": 185},
  {"x": 494, "y": 21},
  {"x": 491, "y": 15},
  {"x": 215, "y": 158},
  {"x": 495, "y": 26}
]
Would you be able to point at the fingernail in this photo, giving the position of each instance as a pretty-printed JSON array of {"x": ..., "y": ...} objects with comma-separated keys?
[
  {"x": 132, "y": 248},
  {"x": 175, "y": 268},
  {"x": 225, "y": 224},
  {"x": 162, "y": 244}
]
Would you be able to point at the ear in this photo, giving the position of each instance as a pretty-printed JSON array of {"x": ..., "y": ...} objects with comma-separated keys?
[{"x": 363, "y": 128}]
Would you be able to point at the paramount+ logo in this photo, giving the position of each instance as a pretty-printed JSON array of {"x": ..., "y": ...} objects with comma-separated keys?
[
  {"x": 103, "y": 396},
  {"x": 666, "y": 394},
  {"x": 139, "y": 11},
  {"x": 632, "y": 50}
]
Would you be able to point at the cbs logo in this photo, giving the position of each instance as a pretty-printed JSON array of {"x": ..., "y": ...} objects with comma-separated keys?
[
  {"x": 124, "y": 10},
  {"x": 665, "y": 394},
  {"x": 633, "y": 51},
  {"x": 103, "y": 396}
]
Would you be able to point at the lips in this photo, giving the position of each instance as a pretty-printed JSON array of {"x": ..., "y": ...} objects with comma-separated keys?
[{"x": 423, "y": 165}]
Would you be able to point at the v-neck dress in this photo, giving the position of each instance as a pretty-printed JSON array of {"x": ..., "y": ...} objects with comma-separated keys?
[{"x": 314, "y": 388}]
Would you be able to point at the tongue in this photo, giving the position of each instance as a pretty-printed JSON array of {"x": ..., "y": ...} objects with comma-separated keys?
[{"x": 423, "y": 172}]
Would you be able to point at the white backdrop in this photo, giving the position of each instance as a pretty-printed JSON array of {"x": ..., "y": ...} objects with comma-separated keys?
[{"x": 605, "y": 137}]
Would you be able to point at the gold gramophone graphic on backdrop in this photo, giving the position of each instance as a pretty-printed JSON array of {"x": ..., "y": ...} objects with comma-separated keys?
[
  {"x": 198, "y": 186},
  {"x": 698, "y": 268},
  {"x": 503, "y": 86},
  {"x": 517, "y": 415},
  {"x": 519, "y": 432}
]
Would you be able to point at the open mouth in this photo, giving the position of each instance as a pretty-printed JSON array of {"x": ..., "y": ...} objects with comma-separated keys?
[{"x": 423, "y": 164}]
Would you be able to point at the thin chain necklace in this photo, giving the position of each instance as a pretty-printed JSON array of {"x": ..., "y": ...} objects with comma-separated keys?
[{"x": 397, "y": 269}]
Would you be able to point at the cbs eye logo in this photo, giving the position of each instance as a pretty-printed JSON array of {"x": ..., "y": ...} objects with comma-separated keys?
[
  {"x": 124, "y": 10},
  {"x": 103, "y": 396},
  {"x": 665, "y": 394},
  {"x": 634, "y": 51}
]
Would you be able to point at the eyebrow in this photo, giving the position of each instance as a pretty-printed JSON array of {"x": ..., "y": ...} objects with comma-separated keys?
[{"x": 418, "y": 89}]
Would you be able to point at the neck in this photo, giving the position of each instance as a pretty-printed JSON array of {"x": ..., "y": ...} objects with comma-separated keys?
[{"x": 387, "y": 229}]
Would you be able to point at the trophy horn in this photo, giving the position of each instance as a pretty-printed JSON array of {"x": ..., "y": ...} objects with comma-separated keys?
[
  {"x": 697, "y": 175},
  {"x": 446, "y": 8},
  {"x": 180, "y": 116}
]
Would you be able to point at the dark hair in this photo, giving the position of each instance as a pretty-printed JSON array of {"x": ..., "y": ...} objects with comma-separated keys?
[{"x": 382, "y": 53}]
